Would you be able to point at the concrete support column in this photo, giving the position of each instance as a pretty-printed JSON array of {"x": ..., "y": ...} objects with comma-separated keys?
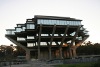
[
  {"x": 38, "y": 52},
  {"x": 62, "y": 41},
  {"x": 28, "y": 57},
  {"x": 67, "y": 54},
  {"x": 49, "y": 52},
  {"x": 39, "y": 41},
  {"x": 74, "y": 52},
  {"x": 54, "y": 29},
  {"x": 70, "y": 52},
  {"x": 60, "y": 52}
]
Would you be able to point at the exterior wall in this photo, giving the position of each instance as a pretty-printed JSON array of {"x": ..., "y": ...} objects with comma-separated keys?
[{"x": 49, "y": 29}]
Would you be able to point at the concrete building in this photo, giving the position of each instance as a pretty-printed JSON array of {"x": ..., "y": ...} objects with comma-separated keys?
[{"x": 49, "y": 37}]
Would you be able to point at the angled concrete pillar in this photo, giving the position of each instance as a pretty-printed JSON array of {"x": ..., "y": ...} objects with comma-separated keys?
[
  {"x": 63, "y": 38},
  {"x": 74, "y": 52},
  {"x": 40, "y": 30},
  {"x": 72, "y": 41},
  {"x": 54, "y": 28},
  {"x": 23, "y": 47}
]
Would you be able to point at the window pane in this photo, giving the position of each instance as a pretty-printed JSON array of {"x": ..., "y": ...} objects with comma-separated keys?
[
  {"x": 30, "y": 44},
  {"x": 20, "y": 39},
  {"x": 30, "y": 26},
  {"x": 18, "y": 29},
  {"x": 30, "y": 37}
]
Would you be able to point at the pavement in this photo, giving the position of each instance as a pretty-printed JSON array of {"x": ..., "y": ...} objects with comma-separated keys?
[
  {"x": 32, "y": 64},
  {"x": 19, "y": 65}
]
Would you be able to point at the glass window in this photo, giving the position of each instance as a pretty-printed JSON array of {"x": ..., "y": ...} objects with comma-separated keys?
[
  {"x": 42, "y": 21},
  {"x": 43, "y": 43},
  {"x": 44, "y": 34},
  {"x": 50, "y": 34},
  {"x": 8, "y": 32},
  {"x": 18, "y": 29},
  {"x": 75, "y": 23},
  {"x": 64, "y": 22},
  {"x": 79, "y": 23},
  {"x": 53, "y": 43},
  {"x": 55, "y": 34},
  {"x": 30, "y": 44},
  {"x": 79, "y": 38},
  {"x": 30, "y": 26},
  {"x": 68, "y": 22},
  {"x": 72, "y": 34},
  {"x": 30, "y": 37},
  {"x": 39, "y": 21},
  {"x": 11, "y": 32},
  {"x": 58, "y": 22},
  {"x": 72, "y": 22},
  {"x": 49, "y": 21},
  {"x": 69, "y": 41},
  {"x": 36, "y": 34},
  {"x": 20, "y": 39},
  {"x": 23, "y": 28},
  {"x": 62, "y": 34},
  {"x": 61, "y": 22},
  {"x": 45, "y": 21}
]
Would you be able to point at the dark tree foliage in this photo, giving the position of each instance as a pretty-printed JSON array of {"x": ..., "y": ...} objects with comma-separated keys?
[
  {"x": 89, "y": 49},
  {"x": 20, "y": 51},
  {"x": 8, "y": 52}
]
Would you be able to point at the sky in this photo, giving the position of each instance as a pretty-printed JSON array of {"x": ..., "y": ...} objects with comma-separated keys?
[{"x": 13, "y": 12}]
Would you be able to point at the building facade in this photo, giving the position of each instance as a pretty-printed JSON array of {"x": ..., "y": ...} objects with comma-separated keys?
[{"x": 49, "y": 37}]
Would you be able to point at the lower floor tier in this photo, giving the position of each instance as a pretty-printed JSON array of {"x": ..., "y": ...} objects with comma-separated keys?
[{"x": 51, "y": 53}]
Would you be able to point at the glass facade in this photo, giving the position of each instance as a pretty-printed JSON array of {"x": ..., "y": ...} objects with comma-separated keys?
[
  {"x": 43, "y": 43},
  {"x": 44, "y": 34},
  {"x": 58, "y": 22},
  {"x": 20, "y": 39},
  {"x": 69, "y": 41},
  {"x": 30, "y": 26},
  {"x": 79, "y": 38},
  {"x": 23, "y": 28},
  {"x": 10, "y": 32},
  {"x": 72, "y": 34},
  {"x": 30, "y": 37},
  {"x": 18, "y": 29},
  {"x": 30, "y": 44},
  {"x": 53, "y": 43}
]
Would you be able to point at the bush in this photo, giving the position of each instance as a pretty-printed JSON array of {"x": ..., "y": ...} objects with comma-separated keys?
[{"x": 97, "y": 64}]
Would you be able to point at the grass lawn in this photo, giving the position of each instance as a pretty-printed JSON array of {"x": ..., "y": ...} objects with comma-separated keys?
[{"x": 76, "y": 65}]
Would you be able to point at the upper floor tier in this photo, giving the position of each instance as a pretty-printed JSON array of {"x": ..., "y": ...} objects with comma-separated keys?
[{"x": 31, "y": 24}]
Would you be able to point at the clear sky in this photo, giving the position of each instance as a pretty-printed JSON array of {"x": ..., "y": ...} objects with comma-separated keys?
[{"x": 13, "y": 12}]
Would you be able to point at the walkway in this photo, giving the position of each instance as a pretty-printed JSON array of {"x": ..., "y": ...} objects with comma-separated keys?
[{"x": 32, "y": 64}]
